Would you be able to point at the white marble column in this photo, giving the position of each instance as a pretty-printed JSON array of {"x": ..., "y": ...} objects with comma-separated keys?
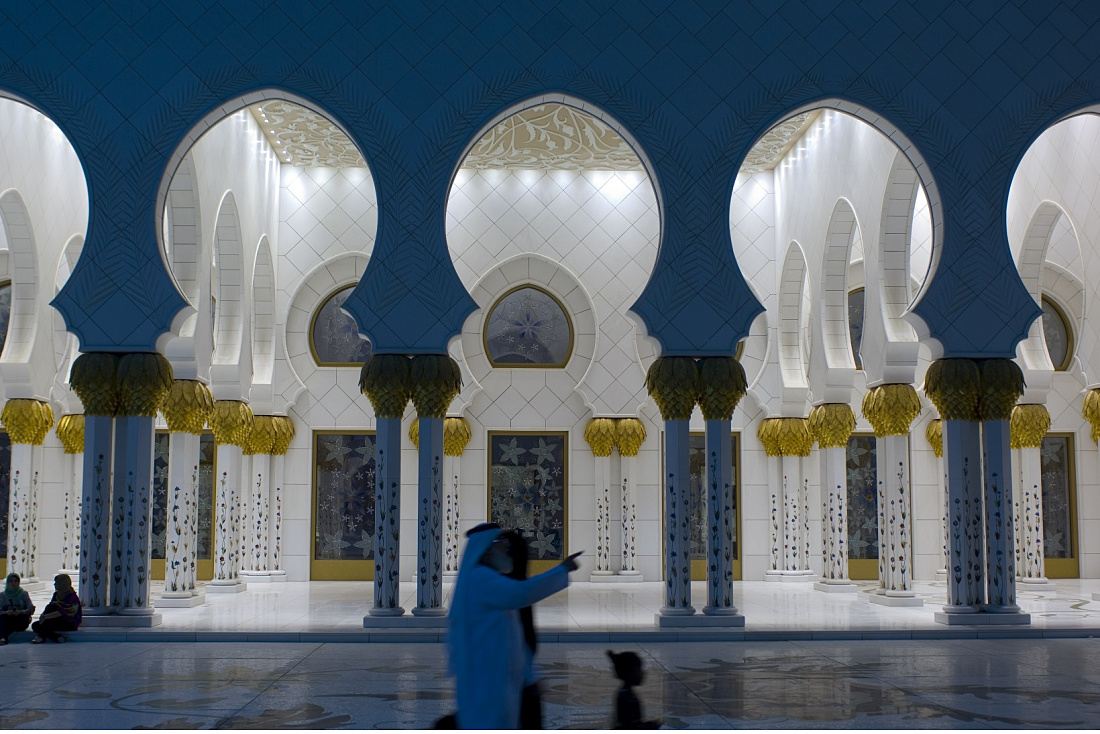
[
  {"x": 1028, "y": 425},
  {"x": 387, "y": 548},
  {"x": 182, "y": 536},
  {"x": 429, "y": 536},
  {"x": 999, "y": 539},
  {"x": 677, "y": 489},
  {"x": 70, "y": 539},
  {"x": 131, "y": 549},
  {"x": 630, "y": 434},
  {"x": 831, "y": 424},
  {"x": 720, "y": 519},
  {"x": 275, "y": 517},
  {"x": 95, "y": 510},
  {"x": 452, "y": 467},
  {"x": 962, "y": 451},
  {"x": 22, "y": 509},
  {"x": 600, "y": 433},
  {"x": 257, "y": 565},
  {"x": 896, "y": 534},
  {"x": 226, "y": 541}
]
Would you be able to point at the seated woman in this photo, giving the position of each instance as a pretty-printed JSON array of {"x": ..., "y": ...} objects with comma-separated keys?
[
  {"x": 15, "y": 608},
  {"x": 62, "y": 614}
]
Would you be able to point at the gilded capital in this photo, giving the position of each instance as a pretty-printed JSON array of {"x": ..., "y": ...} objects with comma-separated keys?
[
  {"x": 891, "y": 409},
  {"x": 261, "y": 440},
  {"x": 1090, "y": 410},
  {"x": 785, "y": 436},
  {"x": 629, "y": 435},
  {"x": 1002, "y": 386},
  {"x": 600, "y": 434},
  {"x": 674, "y": 384},
  {"x": 70, "y": 431},
  {"x": 434, "y": 381},
  {"x": 1028, "y": 425},
  {"x": 232, "y": 423},
  {"x": 955, "y": 387},
  {"x": 94, "y": 379},
  {"x": 284, "y": 433},
  {"x": 384, "y": 379},
  {"x": 188, "y": 407},
  {"x": 456, "y": 434},
  {"x": 934, "y": 434},
  {"x": 768, "y": 433},
  {"x": 722, "y": 384},
  {"x": 144, "y": 381},
  {"x": 831, "y": 424},
  {"x": 414, "y": 433},
  {"x": 27, "y": 421}
]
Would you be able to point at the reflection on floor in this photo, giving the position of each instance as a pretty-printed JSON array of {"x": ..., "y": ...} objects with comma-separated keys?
[
  {"x": 585, "y": 611},
  {"x": 851, "y": 684}
]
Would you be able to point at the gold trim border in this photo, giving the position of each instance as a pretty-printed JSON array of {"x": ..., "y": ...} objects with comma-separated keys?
[
  {"x": 513, "y": 366},
  {"x": 333, "y": 569}
]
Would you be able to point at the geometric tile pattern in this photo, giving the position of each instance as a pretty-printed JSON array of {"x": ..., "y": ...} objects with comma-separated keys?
[{"x": 966, "y": 86}]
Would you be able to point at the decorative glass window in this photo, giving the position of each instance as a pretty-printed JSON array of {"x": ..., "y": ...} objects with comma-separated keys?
[
  {"x": 528, "y": 327},
  {"x": 344, "y": 484},
  {"x": 1056, "y": 465},
  {"x": 1057, "y": 334},
  {"x": 855, "y": 324},
  {"x": 862, "y": 498},
  {"x": 5, "y": 312},
  {"x": 5, "y": 481},
  {"x": 161, "y": 507},
  {"x": 697, "y": 467},
  {"x": 334, "y": 337},
  {"x": 527, "y": 489}
]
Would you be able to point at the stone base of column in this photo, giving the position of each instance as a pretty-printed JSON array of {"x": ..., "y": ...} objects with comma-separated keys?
[
  {"x": 905, "y": 599},
  {"x": 981, "y": 618},
  {"x": 941, "y": 574},
  {"x": 226, "y": 587},
  {"x": 836, "y": 586},
  {"x": 699, "y": 620},
  {"x": 790, "y": 577},
  {"x": 1041, "y": 584},
  {"x": 630, "y": 577},
  {"x": 277, "y": 577},
  {"x": 152, "y": 619},
  {"x": 429, "y": 611},
  {"x": 602, "y": 574},
  {"x": 256, "y": 577},
  {"x": 180, "y": 600},
  {"x": 405, "y": 621},
  {"x": 385, "y": 612},
  {"x": 452, "y": 575}
]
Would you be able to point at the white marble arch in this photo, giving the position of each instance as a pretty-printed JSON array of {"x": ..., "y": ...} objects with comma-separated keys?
[
  {"x": 191, "y": 351},
  {"x": 65, "y": 345},
  {"x": 315, "y": 287},
  {"x": 483, "y": 383},
  {"x": 231, "y": 367},
  {"x": 263, "y": 330},
  {"x": 792, "y": 349},
  {"x": 832, "y": 364},
  {"x": 16, "y": 362},
  {"x": 1035, "y": 271},
  {"x": 890, "y": 343}
]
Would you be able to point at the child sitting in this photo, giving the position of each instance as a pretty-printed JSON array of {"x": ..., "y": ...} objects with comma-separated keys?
[{"x": 628, "y": 709}]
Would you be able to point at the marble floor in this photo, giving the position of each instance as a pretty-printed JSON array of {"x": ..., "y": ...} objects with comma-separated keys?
[
  {"x": 334, "y": 611},
  {"x": 853, "y": 684}
]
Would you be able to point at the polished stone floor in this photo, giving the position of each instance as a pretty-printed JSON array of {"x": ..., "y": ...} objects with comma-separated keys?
[
  {"x": 334, "y": 611},
  {"x": 953, "y": 684}
]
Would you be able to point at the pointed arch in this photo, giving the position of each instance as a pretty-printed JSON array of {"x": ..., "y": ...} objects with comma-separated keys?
[
  {"x": 792, "y": 358},
  {"x": 835, "y": 287},
  {"x": 23, "y": 267},
  {"x": 184, "y": 225},
  {"x": 228, "y": 326},
  {"x": 263, "y": 315}
]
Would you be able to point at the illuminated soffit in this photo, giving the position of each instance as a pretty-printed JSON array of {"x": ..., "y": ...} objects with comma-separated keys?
[
  {"x": 777, "y": 142},
  {"x": 301, "y": 137}
]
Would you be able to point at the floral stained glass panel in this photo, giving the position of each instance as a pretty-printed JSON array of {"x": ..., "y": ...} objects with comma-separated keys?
[
  {"x": 697, "y": 466},
  {"x": 344, "y": 508},
  {"x": 5, "y": 482},
  {"x": 334, "y": 335},
  {"x": 5, "y": 313},
  {"x": 862, "y": 498},
  {"x": 1056, "y": 334},
  {"x": 527, "y": 489},
  {"x": 1056, "y": 456},
  {"x": 527, "y": 326}
]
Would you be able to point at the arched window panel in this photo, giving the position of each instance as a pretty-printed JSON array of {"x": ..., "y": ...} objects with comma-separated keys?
[
  {"x": 528, "y": 327},
  {"x": 334, "y": 337},
  {"x": 855, "y": 323},
  {"x": 5, "y": 312},
  {"x": 1058, "y": 335}
]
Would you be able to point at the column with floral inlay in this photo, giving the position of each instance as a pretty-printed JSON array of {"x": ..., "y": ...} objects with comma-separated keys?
[
  {"x": 891, "y": 409},
  {"x": 789, "y": 441},
  {"x": 231, "y": 424},
  {"x": 284, "y": 434},
  {"x": 27, "y": 422},
  {"x": 600, "y": 434},
  {"x": 934, "y": 434},
  {"x": 385, "y": 381},
  {"x": 630, "y": 434},
  {"x": 186, "y": 411},
  {"x": 70, "y": 431},
  {"x": 673, "y": 383},
  {"x": 1028, "y": 425},
  {"x": 456, "y": 434},
  {"x": 261, "y": 445},
  {"x": 831, "y": 424}
]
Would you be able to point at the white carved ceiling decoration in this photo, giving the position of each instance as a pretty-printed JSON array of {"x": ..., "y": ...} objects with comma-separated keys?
[
  {"x": 303, "y": 138},
  {"x": 777, "y": 142},
  {"x": 553, "y": 137}
]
